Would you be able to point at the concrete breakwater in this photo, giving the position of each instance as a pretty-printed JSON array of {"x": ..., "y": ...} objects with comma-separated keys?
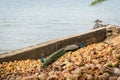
[{"x": 34, "y": 52}]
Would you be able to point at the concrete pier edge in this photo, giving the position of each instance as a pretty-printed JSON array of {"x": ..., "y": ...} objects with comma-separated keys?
[{"x": 34, "y": 52}]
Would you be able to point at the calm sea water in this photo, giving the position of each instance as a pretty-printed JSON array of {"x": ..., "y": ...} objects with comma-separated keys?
[{"x": 28, "y": 22}]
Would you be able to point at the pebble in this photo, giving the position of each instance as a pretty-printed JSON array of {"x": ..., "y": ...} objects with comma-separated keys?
[
  {"x": 113, "y": 78},
  {"x": 118, "y": 78},
  {"x": 116, "y": 71},
  {"x": 42, "y": 76},
  {"x": 30, "y": 78}
]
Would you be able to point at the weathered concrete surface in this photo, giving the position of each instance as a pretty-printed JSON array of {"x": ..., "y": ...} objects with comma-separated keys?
[{"x": 34, "y": 52}]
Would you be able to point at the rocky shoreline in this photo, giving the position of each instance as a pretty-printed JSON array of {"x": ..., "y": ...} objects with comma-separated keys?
[{"x": 100, "y": 61}]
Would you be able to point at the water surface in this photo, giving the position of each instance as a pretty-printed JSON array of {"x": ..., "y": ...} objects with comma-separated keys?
[{"x": 28, "y": 22}]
